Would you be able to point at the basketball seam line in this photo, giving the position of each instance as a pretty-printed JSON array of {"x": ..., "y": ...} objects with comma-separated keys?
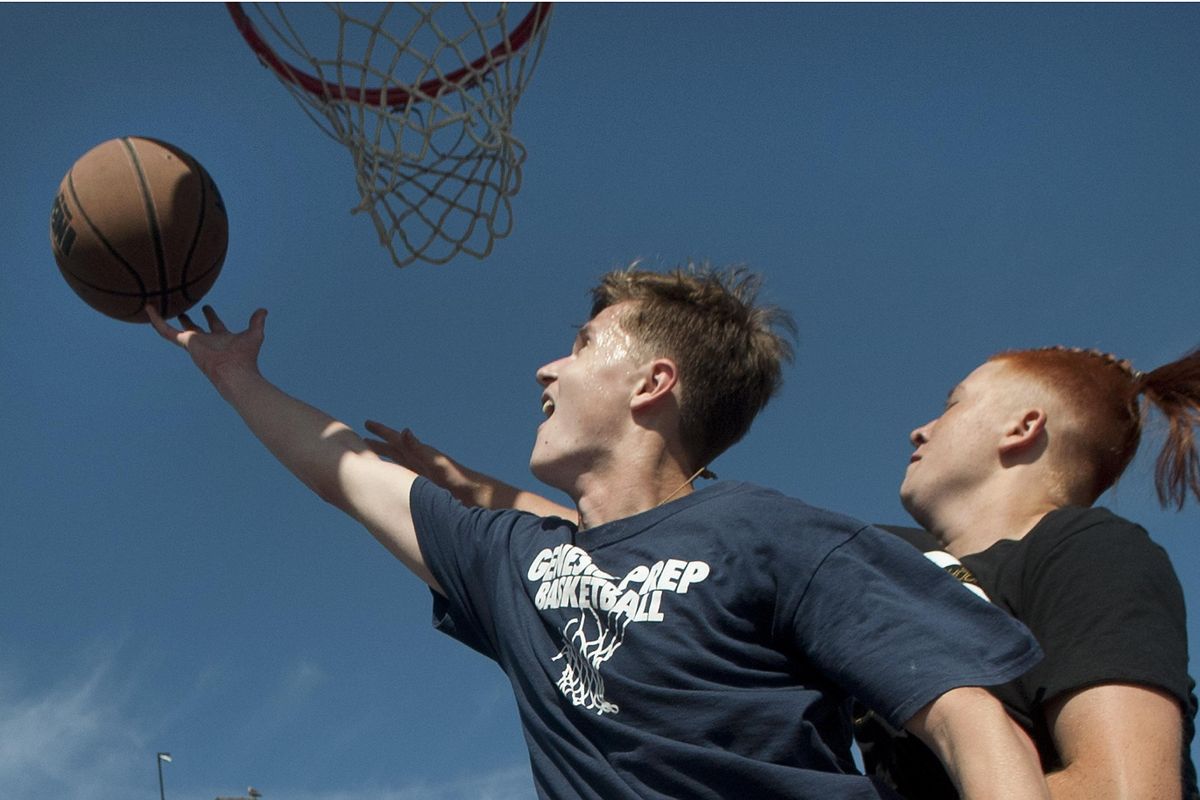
[
  {"x": 187, "y": 261},
  {"x": 103, "y": 240},
  {"x": 182, "y": 288},
  {"x": 152, "y": 219}
]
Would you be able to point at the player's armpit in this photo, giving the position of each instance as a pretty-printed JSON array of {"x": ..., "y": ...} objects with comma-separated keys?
[{"x": 1116, "y": 740}]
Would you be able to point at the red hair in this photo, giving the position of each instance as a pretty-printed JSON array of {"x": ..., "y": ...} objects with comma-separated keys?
[{"x": 1109, "y": 397}]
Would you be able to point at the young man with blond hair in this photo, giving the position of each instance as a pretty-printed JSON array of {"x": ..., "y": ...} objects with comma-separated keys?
[{"x": 670, "y": 643}]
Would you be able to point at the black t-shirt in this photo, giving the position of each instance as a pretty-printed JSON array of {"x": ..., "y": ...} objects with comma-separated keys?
[{"x": 1105, "y": 604}]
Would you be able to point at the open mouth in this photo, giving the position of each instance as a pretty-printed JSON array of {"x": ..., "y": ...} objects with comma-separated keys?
[{"x": 547, "y": 407}]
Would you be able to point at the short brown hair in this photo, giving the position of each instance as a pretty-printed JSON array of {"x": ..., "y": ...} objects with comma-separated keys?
[
  {"x": 1104, "y": 393},
  {"x": 729, "y": 351}
]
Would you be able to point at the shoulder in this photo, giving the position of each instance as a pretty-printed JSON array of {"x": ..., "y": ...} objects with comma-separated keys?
[
  {"x": 1078, "y": 565},
  {"x": 1104, "y": 601},
  {"x": 1072, "y": 520},
  {"x": 438, "y": 515},
  {"x": 779, "y": 512},
  {"x": 1089, "y": 534},
  {"x": 785, "y": 537}
]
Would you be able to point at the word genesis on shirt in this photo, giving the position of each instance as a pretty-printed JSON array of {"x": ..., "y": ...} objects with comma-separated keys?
[{"x": 570, "y": 579}]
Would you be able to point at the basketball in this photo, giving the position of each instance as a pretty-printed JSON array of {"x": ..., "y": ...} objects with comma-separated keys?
[{"x": 138, "y": 221}]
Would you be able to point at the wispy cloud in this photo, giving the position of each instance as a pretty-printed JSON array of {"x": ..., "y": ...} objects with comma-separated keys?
[
  {"x": 69, "y": 740},
  {"x": 82, "y": 737}
]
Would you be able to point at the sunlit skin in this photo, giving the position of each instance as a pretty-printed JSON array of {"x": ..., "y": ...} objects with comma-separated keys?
[
  {"x": 966, "y": 478},
  {"x": 586, "y": 402},
  {"x": 610, "y": 437}
]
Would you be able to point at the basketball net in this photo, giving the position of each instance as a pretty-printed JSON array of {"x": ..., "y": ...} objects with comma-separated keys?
[{"x": 423, "y": 97}]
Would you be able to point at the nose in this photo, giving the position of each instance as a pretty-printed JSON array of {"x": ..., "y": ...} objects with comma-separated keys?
[
  {"x": 920, "y": 436},
  {"x": 548, "y": 373}
]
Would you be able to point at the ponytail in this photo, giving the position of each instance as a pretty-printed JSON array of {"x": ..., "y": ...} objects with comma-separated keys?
[{"x": 1175, "y": 390}]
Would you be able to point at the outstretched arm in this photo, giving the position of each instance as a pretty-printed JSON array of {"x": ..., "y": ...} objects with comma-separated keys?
[
  {"x": 468, "y": 486},
  {"x": 985, "y": 754},
  {"x": 327, "y": 456}
]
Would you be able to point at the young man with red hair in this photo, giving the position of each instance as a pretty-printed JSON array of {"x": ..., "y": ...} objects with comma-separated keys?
[{"x": 1005, "y": 480}]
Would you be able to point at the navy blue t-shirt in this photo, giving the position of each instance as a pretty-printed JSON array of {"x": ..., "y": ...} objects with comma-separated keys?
[{"x": 707, "y": 647}]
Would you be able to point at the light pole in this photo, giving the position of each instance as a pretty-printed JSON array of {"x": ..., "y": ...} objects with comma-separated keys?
[{"x": 161, "y": 758}]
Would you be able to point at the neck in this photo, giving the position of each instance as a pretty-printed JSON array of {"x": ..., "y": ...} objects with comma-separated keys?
[
  {"x": 630, "y": 491},
  {"x": 973, "y": 524}
]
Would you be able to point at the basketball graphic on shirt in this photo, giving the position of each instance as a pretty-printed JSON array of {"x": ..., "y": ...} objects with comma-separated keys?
[{"x": 568, "y": 578}]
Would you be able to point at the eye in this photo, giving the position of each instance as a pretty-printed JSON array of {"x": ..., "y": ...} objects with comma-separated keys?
[{"x": 581, "y": 340}]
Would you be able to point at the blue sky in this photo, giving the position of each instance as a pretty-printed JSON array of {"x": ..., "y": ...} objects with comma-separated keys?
[{"x": 920, "y": 185}]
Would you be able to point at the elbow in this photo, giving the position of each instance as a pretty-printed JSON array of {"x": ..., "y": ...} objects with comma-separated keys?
[
  {"x": 329, "y": 492},
  {"x": 337, "y": 486}
]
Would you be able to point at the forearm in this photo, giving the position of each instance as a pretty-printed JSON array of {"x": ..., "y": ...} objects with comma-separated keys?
[
  {"x": 312, "y": 445},
  {"x": 476, "y": 489},
  {"x": 327, "y": 456},
  {"x": 469, "y": 487},
  {"x": 985, "y": 754},
  {"x": 995, "y": 761},
  {"x": 332, "y": 460},
  {"x": 489, "y": 492}
]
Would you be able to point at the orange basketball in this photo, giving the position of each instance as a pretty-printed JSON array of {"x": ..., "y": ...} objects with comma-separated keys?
[{"x": 138, "y": 221}]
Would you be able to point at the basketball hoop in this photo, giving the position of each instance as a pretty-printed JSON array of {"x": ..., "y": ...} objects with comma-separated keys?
[{"x": 423, "y": 97}]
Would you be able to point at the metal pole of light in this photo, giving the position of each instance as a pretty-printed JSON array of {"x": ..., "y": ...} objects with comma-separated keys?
[{"x": 161, "y": 757}]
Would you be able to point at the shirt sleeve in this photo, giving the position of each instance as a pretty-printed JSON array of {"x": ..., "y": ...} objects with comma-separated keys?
[
  {"x": 897, "y": 632},
  {"x": 1106, "y": 606},
  {"x": 466, "y": 549}
]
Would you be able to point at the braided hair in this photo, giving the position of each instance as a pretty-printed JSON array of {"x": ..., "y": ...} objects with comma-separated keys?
[{"x": 1110, "y": 398}]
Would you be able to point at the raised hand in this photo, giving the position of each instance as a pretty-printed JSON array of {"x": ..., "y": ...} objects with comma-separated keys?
[{"x": 219, "y": 348}]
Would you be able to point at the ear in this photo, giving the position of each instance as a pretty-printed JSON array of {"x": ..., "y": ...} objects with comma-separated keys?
[
  {"x": 1023, "y": 432},
  {"x": 659, "y": 379}
]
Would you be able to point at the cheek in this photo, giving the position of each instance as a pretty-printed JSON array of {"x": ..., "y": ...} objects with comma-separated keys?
[{"x": 606, "y": 384}]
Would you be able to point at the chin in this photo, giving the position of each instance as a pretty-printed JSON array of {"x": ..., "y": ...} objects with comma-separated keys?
[
  {"x": 913, "y": 507},
  {"x": 543, "y": 469},
  {"x": 908, "y": 498}
]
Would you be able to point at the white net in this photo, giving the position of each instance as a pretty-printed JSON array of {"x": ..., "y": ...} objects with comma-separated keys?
[
  {"x": 584, "y": 653},
  {"x": 423, "y": 98}
]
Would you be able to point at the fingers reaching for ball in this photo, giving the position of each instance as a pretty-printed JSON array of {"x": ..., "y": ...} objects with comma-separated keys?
[
  {"x": 163, "y": 328},
  {"x": 214, "y": 322},
  {"x": 218, "y": 346}
]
